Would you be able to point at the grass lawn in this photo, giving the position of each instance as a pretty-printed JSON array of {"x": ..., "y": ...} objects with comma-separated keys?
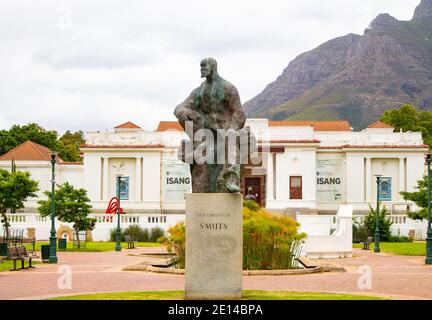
[
  {"x": 417, "y": 248},
  {"x": 96, "y": 246},
  {"x": 8, "y": 265},
  {"x": 247, "y": 295}
]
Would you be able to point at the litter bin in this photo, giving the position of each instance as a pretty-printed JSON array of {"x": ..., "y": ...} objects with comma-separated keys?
[
  {"x": 62, "y": 244},
  {"x": 45, "y": 250},
  {"x": 3, "y": 249}
]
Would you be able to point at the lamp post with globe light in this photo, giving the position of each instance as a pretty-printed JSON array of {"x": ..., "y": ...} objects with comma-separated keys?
[
  {"x": 118, "y": 230},
  {"x": 377, "y": 231},
  {"x": 428, "y": 259},
  {"x": 53, "y": 237}
]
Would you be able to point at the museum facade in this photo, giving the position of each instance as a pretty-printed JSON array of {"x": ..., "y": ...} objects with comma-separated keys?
[{"x": 301, "y": 166}]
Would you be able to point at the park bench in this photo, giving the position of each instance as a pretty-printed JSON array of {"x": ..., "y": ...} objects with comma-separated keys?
[
  {"x": 32, "y": 241},
  {"x": 296, "y": 255},
  {"x": 130, "y": 241},
  {"x": 366, "y": 243},
  {"x": 20, "y": 253},
  {"x": 12, "y": 254}
]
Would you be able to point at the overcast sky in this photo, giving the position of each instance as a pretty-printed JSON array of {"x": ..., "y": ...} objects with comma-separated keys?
[{"x": 90, "y": 65}]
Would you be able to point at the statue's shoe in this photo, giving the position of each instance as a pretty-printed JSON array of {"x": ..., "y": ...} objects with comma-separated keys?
[{"x": 233, "y": 188}]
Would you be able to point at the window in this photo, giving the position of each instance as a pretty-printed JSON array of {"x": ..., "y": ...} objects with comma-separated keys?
[{"x": 296, "y": 188}]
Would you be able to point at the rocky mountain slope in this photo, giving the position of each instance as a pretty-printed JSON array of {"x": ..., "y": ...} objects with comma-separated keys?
[{"x": 356, "y": 77}]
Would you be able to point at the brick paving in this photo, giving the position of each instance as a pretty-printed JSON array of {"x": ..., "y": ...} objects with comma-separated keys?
[{"x": 400, "y": 277}]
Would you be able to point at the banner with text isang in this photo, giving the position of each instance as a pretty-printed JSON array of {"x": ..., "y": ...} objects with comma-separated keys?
[
  {"x": 330, "y": 179},
  {"x": 176, "y": 179}
]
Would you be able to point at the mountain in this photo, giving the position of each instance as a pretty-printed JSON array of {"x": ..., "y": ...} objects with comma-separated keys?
[{"x": 356, "y": 77}]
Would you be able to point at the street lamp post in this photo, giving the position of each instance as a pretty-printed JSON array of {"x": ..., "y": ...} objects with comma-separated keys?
[
  {"x": 377, "y": 231},
  {"x": 118, "y": 230},
  {"x": 429, "y": 229},
  {"x": 53, "y": 237}
]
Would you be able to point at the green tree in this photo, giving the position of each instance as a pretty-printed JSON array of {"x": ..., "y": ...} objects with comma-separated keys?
[
  {"x": 71, "y": 206},
  {"x": 17, "y": 134},
  {"x": 13, "y": 169},
  {"x": 15, "y": 188},
  {"x": 419, "y": 197},
  {"x": 69, "y": 144},
  {"x": 384, "y": 222},
  {"x": 407, "y": 118}
]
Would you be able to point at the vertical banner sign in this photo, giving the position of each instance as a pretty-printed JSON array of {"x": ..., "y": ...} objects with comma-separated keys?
[
  {"x": 385, "y": 189},
  {"x": 330, "y": 184},
  {"x": 124, "y": 188},
  {"x": 176, "y": 179}
]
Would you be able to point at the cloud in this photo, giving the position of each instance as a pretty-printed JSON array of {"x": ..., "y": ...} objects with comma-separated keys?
[
  {"x": 95, "y": 53},
  {"x": 91, "y": 65}
]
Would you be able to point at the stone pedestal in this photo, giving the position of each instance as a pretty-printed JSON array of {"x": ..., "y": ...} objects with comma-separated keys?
[{"x": 214, "y": 246}]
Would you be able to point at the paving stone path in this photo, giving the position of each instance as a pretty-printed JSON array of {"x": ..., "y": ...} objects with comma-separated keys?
[{"x": 399, "y": 277}]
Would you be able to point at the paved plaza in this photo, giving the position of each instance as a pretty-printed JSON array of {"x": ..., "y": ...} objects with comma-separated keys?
[{"x": 397, "y": 277}]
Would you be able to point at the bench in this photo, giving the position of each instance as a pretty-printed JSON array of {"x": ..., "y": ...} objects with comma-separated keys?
[
  {"x": 31, "y": 240},
  {"x": 130, "y": 241},
  {"x": 367, "y": 243},
  {"x": 20, "y": 253},
  {"x": 12, "y": 254}
]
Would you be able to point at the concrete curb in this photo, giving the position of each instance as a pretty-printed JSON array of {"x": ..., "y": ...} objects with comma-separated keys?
[{"x": 318, "y": 269}]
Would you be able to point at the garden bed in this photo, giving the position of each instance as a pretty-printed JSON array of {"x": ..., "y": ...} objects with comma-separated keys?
[{"x": 164, "y": 266}]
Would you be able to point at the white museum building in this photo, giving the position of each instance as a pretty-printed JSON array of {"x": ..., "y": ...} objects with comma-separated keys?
[{"x": 308, "y": 169}]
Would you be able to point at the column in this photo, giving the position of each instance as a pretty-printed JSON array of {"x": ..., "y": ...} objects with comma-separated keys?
[
  {"x": 105, "y": 179},
  {"x": 275, "y": 170},
  {"x": 368, "y": 181},
  {"x": 269, "y": 178},
  {"x": 138, "y": 179},
  {"x": 401, "y": 177}
]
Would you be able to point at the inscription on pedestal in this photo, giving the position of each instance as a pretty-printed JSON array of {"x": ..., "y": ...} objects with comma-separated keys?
[{"x": 214, "y": 246}]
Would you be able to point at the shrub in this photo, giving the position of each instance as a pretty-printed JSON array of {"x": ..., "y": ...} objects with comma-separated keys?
[
  {"x": 156, "y": 233},
  {"x": 139, "y": 234},
  {"x": 399, "y": 238},
  {"x": 175, "y": 244},
  {"x": 251, "y": 205},
  {"x": 113, "y": 235},
  {"x": 384, "y": 222},
  {"x": 269, "y": 241},
  {"x": 360, "y": 231}
]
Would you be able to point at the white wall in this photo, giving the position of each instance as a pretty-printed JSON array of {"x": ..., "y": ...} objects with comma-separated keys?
[
  {"x": 319, "y": 243},
  {"x": 125, "y": 167},
  {"x": 355, "y": 178},
  {"x": 92, "y": 176},
  {"x": 72, "y": 174},
  {"x": 151, "y": 177},
  {"x": 295, "y": 162},
  {"x": 387, "y": 168},
  {"x": 415, "y": 172},
  {"x": 40, "y": 171}
]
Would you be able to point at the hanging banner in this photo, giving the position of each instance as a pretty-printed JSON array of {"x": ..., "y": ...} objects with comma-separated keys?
[
  {"x": 330, "y": 180},
  {"x": 124, "y": 188},
  {"x": 385, "y": 190},
  {"x": 176, "y": 179}
]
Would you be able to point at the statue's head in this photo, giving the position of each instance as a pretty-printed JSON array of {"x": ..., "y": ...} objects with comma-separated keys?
[{"x": 208, "y": 67}]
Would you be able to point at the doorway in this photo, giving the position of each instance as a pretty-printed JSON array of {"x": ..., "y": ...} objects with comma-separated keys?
[
  {"x": 296, "y": 188},
  {"x": 255, "y": 183}
]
